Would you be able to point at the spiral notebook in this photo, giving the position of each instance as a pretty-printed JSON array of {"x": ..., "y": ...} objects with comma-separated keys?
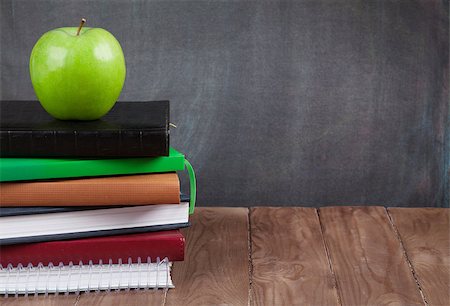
[{"x": 75, "y": 278}]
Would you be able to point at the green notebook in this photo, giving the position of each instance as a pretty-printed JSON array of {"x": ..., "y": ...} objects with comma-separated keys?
[{"x": 22, "y": 169}]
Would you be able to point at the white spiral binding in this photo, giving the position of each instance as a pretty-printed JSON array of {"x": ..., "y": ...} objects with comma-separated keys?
[{"x": 70, "y": 278}]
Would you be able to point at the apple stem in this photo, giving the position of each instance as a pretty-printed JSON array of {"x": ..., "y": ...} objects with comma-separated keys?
[{"x": 83, "y": 21}]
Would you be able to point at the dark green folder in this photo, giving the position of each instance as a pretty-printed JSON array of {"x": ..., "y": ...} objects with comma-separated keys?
[{"x": 24, "y": 169}]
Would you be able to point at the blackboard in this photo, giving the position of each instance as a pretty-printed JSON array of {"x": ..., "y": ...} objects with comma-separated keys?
[{"x": 306, "y": 103}]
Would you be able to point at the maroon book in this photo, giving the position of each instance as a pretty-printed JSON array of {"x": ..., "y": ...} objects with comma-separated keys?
[{"x": 123, "y": 248}]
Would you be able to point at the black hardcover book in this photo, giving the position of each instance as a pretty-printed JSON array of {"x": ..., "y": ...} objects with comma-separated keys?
[{"x": 130, "y": 129}]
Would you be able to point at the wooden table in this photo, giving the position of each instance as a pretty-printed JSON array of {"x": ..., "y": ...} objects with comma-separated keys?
[{"x": 301, "y": 256}]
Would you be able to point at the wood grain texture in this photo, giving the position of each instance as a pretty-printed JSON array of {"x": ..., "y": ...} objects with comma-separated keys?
[
  {"x": 40, "y": 300},
  {"x": 129, "y": 298},
  {"x": 290, "y": 264},
  {"x": 289, "y": 260},
  {"x": 215, "y": 270},
  {"x": 367, "y": 258},
  {"x": 425, "y": 234}
]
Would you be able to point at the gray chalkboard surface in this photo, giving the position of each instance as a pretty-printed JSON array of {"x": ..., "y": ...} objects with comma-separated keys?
[{"x": 278, "y": 102}]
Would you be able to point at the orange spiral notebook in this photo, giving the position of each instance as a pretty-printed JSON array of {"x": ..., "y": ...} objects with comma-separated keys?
[{"x": 143, "y": 189}]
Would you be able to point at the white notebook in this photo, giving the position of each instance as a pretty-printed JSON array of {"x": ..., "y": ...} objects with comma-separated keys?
[
  {"x": 91, "y": 223},
  {"x": 84, "y": 278}
]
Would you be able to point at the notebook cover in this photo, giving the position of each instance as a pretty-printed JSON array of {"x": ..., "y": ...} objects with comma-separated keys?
[
  {"x": 161, "y": 244},
  {"x": 140, "y": 189},
  {"x": 102, "y": 233},
  {"x": 130, "y": 129},
  {"x": 35, "y": 210},
  {"x": 19, "y": 169}
]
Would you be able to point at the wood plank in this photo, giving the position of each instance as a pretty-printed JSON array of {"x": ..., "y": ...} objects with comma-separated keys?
[
  {"x": 40, "y": 300},
  {"x": 290, "y": 264},
  {"x": 131, "y": 298},
  {"x": 425, "y": 234},
  {"x": 215, "y": 270},
  {"x": 367, "y": 258}
]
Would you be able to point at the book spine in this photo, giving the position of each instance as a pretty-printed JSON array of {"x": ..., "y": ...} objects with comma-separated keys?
[
  {"x": 112, "y": 248},
  {"x": 160, "y": 188},
  {"x": 14, "y": 169},
  {"x": 114, "y": 143}
]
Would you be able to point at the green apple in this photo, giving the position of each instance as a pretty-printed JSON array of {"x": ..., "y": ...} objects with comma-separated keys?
[{"x": 77, "y": 73}]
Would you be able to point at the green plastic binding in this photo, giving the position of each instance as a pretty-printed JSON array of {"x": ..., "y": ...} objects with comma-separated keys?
[{"x": 192, "y": 184}]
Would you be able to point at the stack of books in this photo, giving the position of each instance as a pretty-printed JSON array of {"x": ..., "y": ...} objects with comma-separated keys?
[{"x": 90, "y": 205}]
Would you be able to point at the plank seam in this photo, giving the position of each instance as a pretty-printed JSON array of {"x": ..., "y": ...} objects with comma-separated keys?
[
  {"x": 165, "y": 297},
  {"x": 250, "y": 258},
  {"x": 77, "y": 300},
  {"x": 328, "y": 254},
  {"x": 405, "y": 254}
]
